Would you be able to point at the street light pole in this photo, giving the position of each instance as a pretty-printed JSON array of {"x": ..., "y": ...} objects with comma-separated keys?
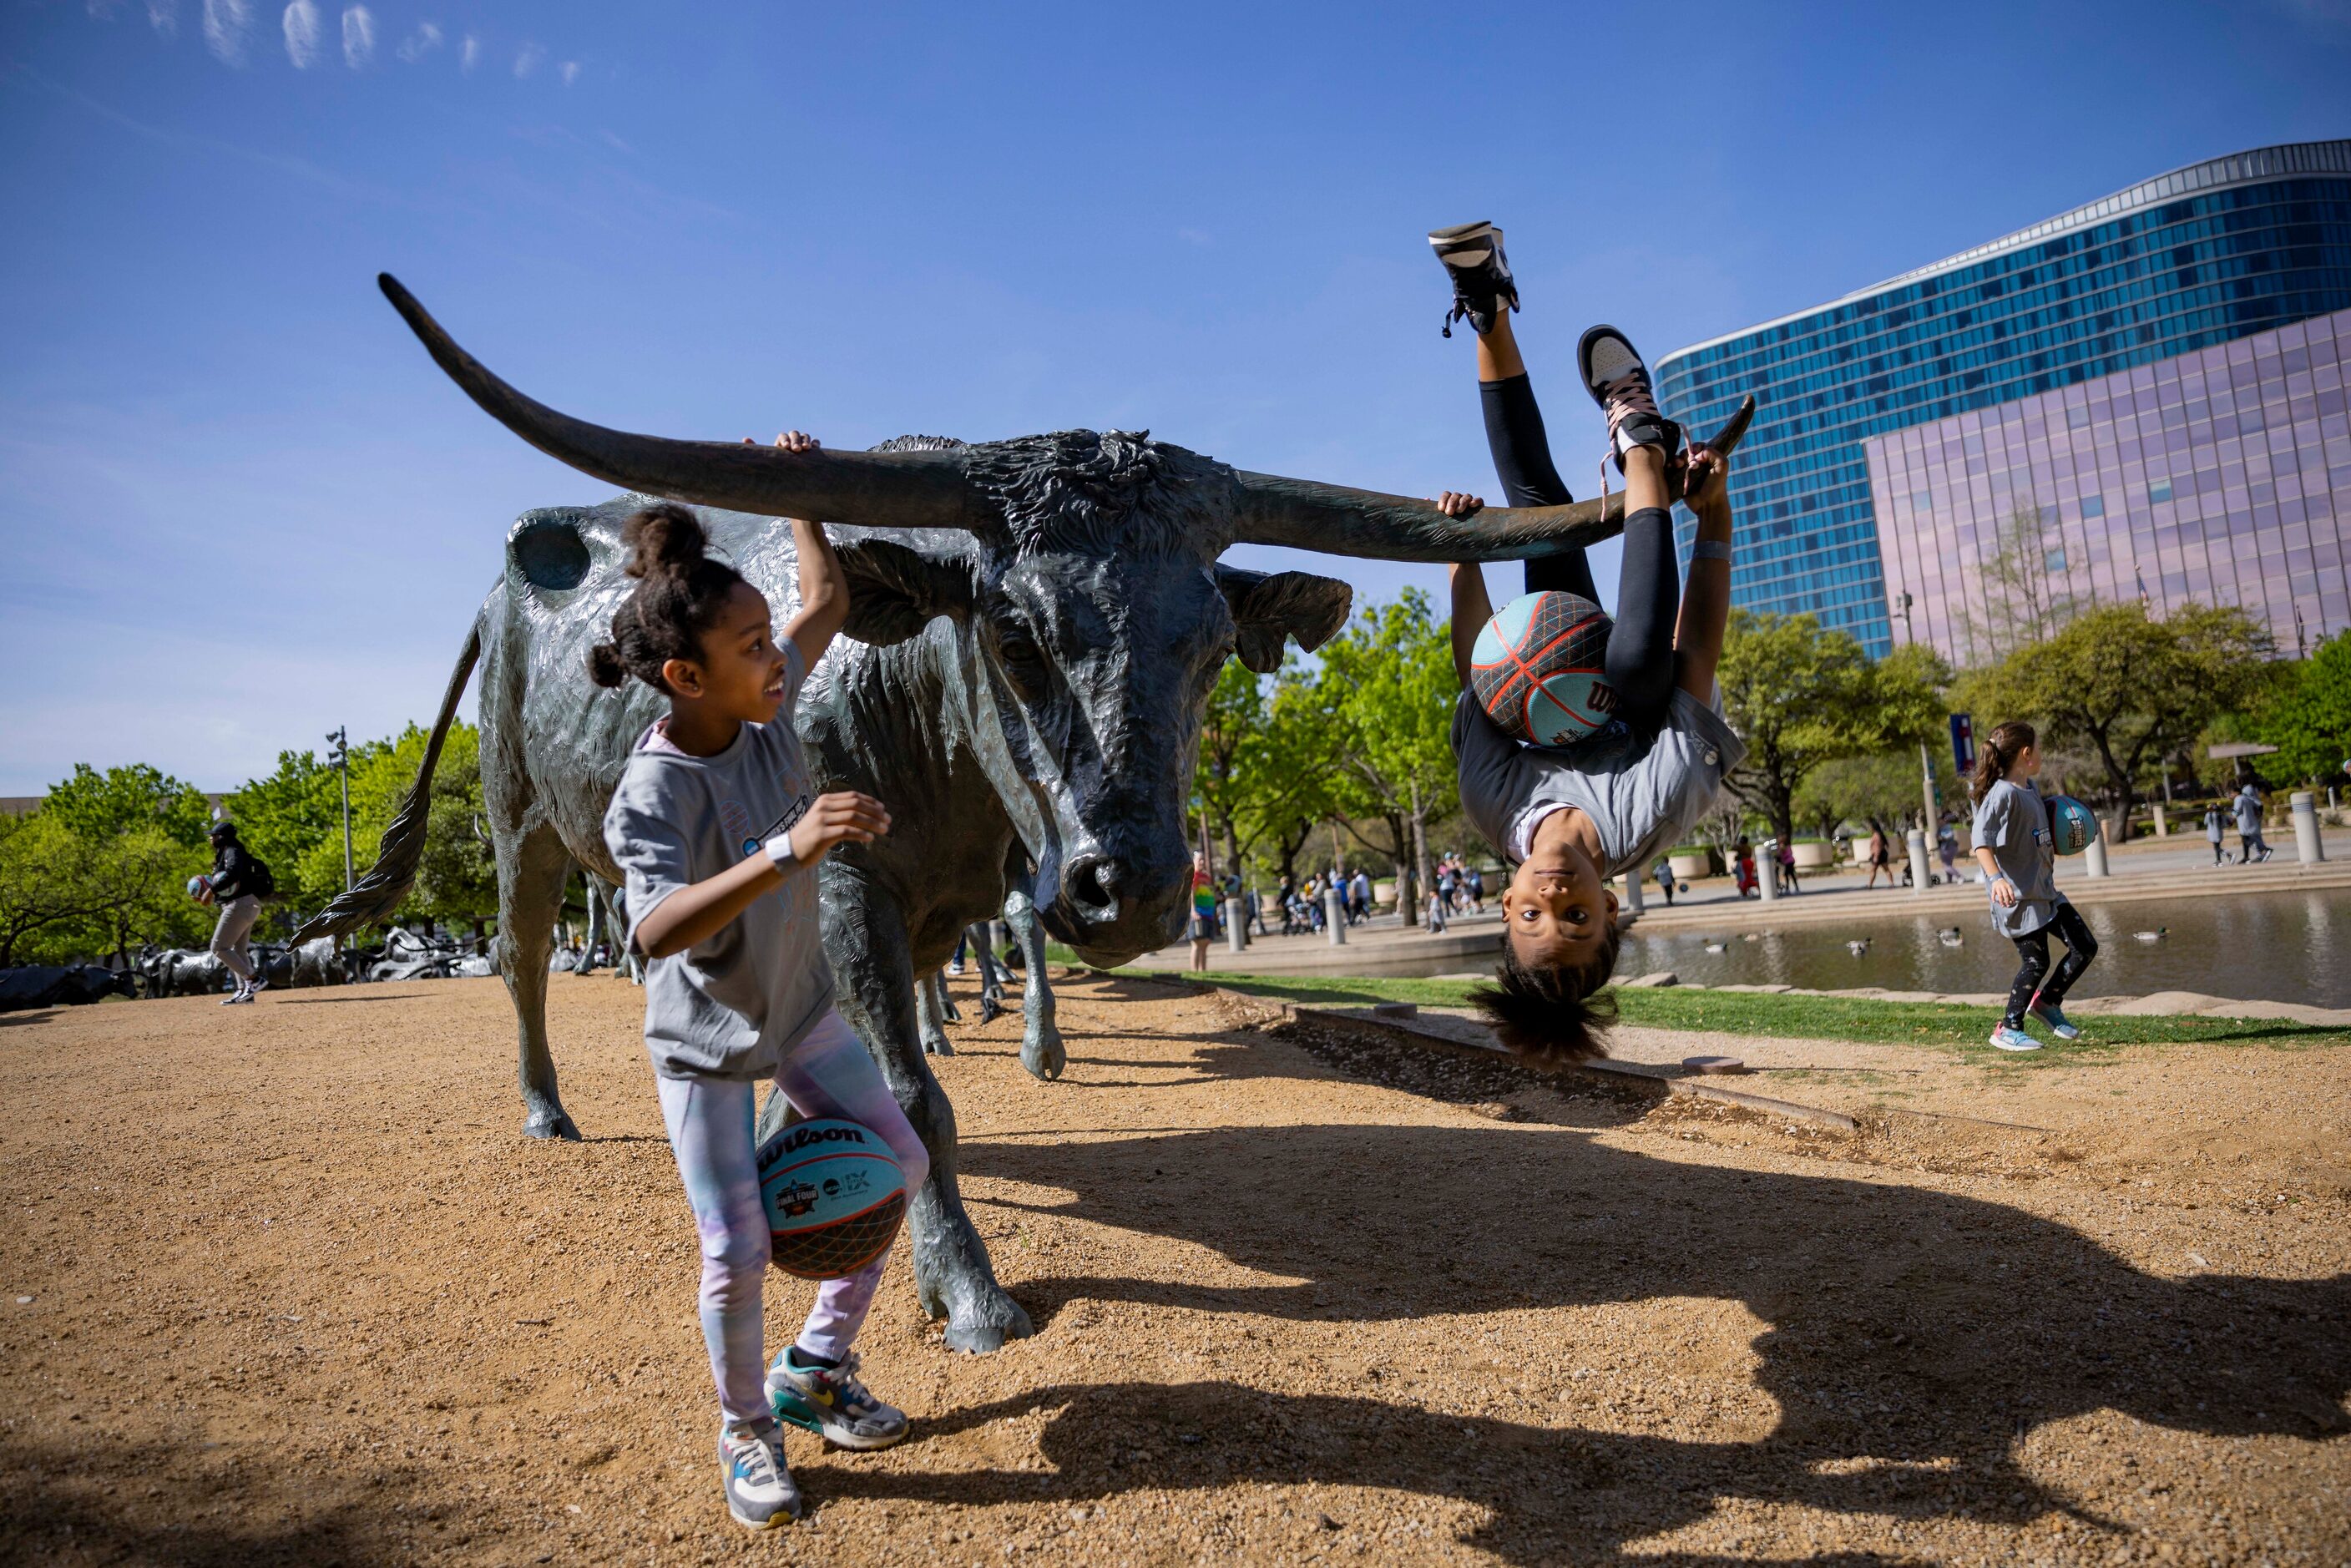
[
  {"x": 342, "y": 757},
  {"x": 1926, "y": 759}
]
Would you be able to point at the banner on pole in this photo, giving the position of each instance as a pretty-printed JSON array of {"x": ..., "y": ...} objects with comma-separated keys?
[{"x": 1963, "y": 743}]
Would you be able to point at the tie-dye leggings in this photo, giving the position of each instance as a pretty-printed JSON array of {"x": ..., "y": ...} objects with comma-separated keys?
[{"x": 710, "y": 1130}]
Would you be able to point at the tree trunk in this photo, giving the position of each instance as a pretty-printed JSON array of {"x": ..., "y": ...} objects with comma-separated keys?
[
  {"x": 1783, "y": 811},
  {"x": 2118, "y": 776},
  {"x": 1407, "y": 890}
]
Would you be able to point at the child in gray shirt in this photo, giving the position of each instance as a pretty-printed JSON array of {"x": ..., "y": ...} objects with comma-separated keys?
[
  {"x": 717, "y": 829},
  {"x": 2019, "y": 857},
  {"x": 1571, "y": 816}
]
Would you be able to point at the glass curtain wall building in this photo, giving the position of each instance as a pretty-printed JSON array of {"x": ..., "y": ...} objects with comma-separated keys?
[
  {"x": 2207, "y": 255},
  {"x": 2222, "y": 476}
]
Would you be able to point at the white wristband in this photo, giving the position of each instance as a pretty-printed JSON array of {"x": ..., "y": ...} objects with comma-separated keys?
[{"x": 779, "y": 850}]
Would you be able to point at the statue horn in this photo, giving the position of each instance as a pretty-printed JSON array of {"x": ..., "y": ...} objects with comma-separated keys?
[
  {"x": 1337, "y": 520},
  {"x": 892, "y": 490}
]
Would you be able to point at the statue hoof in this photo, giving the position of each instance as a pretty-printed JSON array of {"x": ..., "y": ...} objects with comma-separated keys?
[
  {"x": 550, "y": 1124},
  {"x": 938, "y": 1046},
  {"x": 989, "y": 1010},
  {"x": 987, "y": 1334}
]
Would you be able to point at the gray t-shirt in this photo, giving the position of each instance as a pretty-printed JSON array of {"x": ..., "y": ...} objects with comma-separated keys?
[
  {"x": 2013, "y": 822},
  {"x": 734, "y": 1004},
  {"x": 1644, "y": 793},
  {"x": 2249, "y": 813}
]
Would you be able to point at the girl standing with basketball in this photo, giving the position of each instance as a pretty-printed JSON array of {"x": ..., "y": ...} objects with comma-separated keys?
[
  {"x": 1571, "y": 816},
  {"x": 2019, "y": 857},
  {"x": 714, "y": 825}
]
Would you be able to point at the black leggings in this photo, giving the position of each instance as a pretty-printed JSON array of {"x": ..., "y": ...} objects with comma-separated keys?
[
  {"x": 1640, "y": 659},
  {"x": 2067, "y": 926}
]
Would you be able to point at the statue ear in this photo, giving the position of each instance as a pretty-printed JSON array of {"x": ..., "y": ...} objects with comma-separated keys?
[
  {"x": 1295, "y": 605},
  {"x": 895, "y": 589}
]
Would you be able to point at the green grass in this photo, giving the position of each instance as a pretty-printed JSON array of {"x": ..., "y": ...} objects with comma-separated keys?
[{"x": 1860, "y": 1018}]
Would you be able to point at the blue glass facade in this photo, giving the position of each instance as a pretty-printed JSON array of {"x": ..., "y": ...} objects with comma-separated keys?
[{"x": 2204, "y": 254}]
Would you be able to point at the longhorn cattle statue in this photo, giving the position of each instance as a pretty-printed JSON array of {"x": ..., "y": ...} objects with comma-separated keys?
[{"x": 1035, "y": 628}]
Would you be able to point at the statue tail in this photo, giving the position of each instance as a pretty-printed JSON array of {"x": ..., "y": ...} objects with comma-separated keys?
[{"x": 387, "y": 881}]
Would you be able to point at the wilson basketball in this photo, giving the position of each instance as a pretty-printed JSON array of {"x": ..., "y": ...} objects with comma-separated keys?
[
  {"x": 834, "y": 1196},
  {"x": 198, "y": 887},
  {"x": 1537, "y": 668},
  {"x": 2073, "y": 825}
]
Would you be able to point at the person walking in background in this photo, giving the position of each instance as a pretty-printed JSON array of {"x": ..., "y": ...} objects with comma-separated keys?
[
  {"x": 1878, "y": 859},
  {"x": 1946, "y": 848},
  {"x": 1473, "y": 883},
  {"x": 1664, "y": 871},
  {"x": 1359, "y": 897},
  {"x": 2019, "y": 856},
  {"x": 1204, "y": 913},
  {"x": 1788, "y": 868},
  {"x": 2248, "y": 823},
  {"x": 1742, "y": 867},
  {"x": 238, "y": 883},
  {"x": 2215, "y": 831}
]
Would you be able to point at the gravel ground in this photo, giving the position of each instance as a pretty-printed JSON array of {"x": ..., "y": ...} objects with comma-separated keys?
[{"x": 300, "y": 1293}]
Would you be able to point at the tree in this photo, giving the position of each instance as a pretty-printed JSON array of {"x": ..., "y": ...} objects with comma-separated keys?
[
  {"x": 1801, "y": 697},
  {"x": 44, "y": 880},
  {"x": 2308, "y": 718},
  {"x": 96, "y": 807},
  {"x": 1881, "y": 790},
  {"x": 456, "y": 880},
  {"x": 135, "y": 890},
  {"x": 2129, "y": 689},
  {"x": 1388, "y": 685},
  {"x": 2014, "y": 602}
]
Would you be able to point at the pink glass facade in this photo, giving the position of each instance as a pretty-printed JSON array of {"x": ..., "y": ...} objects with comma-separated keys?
[{"x": 2222, "y": 476}]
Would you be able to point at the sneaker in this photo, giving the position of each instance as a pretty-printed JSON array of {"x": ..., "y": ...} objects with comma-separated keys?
[
  {"x": 760, "y": 1492},
  {"x": 260, "y": 984},
  {"x": 235, "y": 997},
  {"x": 2055, "y": 1016},
  {"x": 1482, "y": 284},
  {"x": 832, "y": 1400},
  {"x": 2007, "y": 1039},
  {"x": 955, "y": 966},
  {"x": 1619, "y": 382}
]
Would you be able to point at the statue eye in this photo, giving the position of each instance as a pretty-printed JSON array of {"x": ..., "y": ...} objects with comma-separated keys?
[{"x": 1024, "y": 661}]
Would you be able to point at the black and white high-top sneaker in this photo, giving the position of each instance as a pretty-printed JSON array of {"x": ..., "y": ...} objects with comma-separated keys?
[
  {"x": 1619, "y": 382},
  {"x": 1482, "y": 284}
]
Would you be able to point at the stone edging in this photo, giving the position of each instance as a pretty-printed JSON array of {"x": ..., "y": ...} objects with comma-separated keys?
[{"x": 2191, "y": 1004}]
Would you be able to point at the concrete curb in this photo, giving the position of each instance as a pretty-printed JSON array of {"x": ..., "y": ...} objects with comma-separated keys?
[{"x": 1473, "y": 1039}]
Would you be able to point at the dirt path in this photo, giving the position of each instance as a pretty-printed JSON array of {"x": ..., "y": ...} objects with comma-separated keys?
[{"x": 301, "y": 1294}]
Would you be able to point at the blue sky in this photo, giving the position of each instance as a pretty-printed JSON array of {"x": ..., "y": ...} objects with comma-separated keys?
[{"x": 239, "y": 506}]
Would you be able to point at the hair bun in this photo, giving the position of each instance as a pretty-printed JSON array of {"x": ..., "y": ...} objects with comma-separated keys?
[
  {"x": 605, "y": 666},
  {"x": 664, "y": 537}
]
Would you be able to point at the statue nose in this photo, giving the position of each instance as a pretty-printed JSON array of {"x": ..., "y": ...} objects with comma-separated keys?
[{"x": 1092, "y": 886}]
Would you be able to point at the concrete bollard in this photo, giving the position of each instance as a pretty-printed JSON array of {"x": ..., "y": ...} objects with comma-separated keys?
[
  {"x": 2307, "y": 846},
  {"x": 2162, "y": 828},
  {"x": 1334, "y": 917},
  {"x": 1767, "y": 868},
  {"x": 1919, "y": 873},
  {"x": 1236, "y": 925},
  {"x": 2094, "y": 859},
  {"x": 1632, "y": 901}
]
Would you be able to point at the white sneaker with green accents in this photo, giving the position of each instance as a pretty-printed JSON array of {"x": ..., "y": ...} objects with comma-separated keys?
[
  {"x": 760, "y": 1492},
  {"x": 832, "y": 1400}
]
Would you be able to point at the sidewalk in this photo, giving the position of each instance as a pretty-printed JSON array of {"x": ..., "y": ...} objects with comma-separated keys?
[{"x": 1383, "y": 944}]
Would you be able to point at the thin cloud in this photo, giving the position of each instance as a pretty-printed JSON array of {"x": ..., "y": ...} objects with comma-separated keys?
[
  {"x": 570, "y": 70},
  {"x": 469, "y": 54},
  {"x": 614, "y": 141},
  {"x": 302, "y": 34},
  {"x": 163, "y": 15},
  {"x": 527, "y": 60},
  {"x": 421, "y": 43},
  {"x": 103, "y": 10},
  {"x": 226, "y": 22},
  {"x": 358, "y": 36}
]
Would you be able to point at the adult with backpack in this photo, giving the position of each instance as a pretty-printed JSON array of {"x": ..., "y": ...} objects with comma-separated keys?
[{"x": 239, "y": 881}]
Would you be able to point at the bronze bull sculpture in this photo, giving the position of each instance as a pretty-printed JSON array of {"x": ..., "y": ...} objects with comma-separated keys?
[{"x": 1036, "y": 625}]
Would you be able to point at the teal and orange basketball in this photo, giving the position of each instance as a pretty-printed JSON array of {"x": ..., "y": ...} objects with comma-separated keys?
[
  {"x": 2073, "y": 825},
  {"x": 1537, "y": 668},
  {"x": 834, "y": 1196}
]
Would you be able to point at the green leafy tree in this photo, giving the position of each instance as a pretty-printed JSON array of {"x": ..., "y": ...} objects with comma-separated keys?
[
  {"x": 96, "y": 807},
  {"x": 2128, "y": 688},
  {"x": 2308, "y": 716},
  {"x": 1881, "y": 790},
  {"x": 134, "y": 888},
  {"x": 1388, "y": 686},
  {"x": 45, "y": 883},
  {"x": 456, "y": 880},
  {"x": 1297, "y": 791},
  {"x": 1802, "y": 698}
]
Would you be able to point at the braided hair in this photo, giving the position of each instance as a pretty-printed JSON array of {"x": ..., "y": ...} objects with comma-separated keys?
[{"x": 679, "y": 595}]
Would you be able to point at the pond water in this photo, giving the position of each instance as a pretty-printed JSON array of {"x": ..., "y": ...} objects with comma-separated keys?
[
  {"x": 2268, "y": 946},
  {"x": 2260, "y": 947}
]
